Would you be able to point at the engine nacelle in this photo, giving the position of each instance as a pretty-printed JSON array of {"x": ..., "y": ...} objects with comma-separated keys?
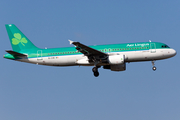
[
  {"x": 116, "y": 59},
  {"x": 116, "y": 67}
]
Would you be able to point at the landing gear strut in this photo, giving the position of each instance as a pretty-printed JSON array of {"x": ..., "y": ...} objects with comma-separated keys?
[
  {"x": 95, "y": 71},
  {"x": 154, "y": 68}
]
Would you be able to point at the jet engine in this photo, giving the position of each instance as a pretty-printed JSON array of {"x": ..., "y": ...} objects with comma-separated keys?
[
  {"x": 116, "y": 59},
  {"x": 116, "y": 67},
  {"x": 116, "y": 63}
]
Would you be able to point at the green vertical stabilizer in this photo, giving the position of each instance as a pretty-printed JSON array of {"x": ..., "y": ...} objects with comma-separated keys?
[{"x": 18, "y": 40}]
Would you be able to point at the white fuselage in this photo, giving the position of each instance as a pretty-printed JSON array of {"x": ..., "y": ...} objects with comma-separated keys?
[{"x": 130, "y": 56}]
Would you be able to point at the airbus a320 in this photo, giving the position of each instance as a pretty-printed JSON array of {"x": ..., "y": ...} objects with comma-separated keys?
[{"x": 113, "y": 57}]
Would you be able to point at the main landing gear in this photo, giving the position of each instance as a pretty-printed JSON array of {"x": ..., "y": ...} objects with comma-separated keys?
[
  {"x": 154, "y": 68},
  {"x": 95, "y": 71}
]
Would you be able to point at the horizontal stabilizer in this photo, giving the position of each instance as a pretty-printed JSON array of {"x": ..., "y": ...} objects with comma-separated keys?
[{"x": 15, "y": 53}]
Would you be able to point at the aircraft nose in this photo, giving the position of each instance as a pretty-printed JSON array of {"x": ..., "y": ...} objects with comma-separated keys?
[{"x": 174, "y": 52}]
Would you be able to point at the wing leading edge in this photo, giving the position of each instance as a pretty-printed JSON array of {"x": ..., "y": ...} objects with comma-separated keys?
[{"x": 88, "y": 51}]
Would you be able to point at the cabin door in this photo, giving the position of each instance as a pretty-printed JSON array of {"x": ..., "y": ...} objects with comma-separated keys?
[
  {"x": 39, "y": 55},
  {"x": 152, "y": 47}
]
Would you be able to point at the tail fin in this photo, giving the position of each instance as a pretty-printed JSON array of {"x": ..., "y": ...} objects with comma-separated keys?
[{"x": 18, "y": 40}]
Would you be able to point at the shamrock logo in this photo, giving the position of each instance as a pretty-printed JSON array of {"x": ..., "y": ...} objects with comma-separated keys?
[{"x": 18, "y": 39}]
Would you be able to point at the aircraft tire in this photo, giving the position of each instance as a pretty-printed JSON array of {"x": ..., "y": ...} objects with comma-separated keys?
[
  {"x": 154, "y": 68},
  {"x": 96, "y": 74},
  {"x": 95, "y": 69}
]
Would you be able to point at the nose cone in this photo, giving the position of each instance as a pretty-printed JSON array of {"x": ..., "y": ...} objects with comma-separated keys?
[{"x": 173, "y": 52}]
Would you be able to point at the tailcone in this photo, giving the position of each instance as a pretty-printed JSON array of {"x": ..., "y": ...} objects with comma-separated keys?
[{"x": 9, "y": 56}]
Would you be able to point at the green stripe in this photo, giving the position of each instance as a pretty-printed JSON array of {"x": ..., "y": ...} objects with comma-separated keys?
[{"x": 112, "y": 47}]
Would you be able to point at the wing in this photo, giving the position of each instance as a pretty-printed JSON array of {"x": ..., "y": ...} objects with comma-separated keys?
[
  {"x": 88, "y": 51},
  {"x": 93, "y": 54}
]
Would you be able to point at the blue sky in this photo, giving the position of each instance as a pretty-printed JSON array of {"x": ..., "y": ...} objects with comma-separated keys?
[{"x": 33, "y": 92}]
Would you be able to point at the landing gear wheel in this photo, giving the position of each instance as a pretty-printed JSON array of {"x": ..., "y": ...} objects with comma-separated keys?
[
  {"x": 96, "y": 74},
  {"x": 154, "y": 68},
  {"x": 95, "y": 71}
]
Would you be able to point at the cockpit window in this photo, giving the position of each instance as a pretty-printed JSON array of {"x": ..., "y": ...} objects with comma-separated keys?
[{"x": 165, "y": 46}]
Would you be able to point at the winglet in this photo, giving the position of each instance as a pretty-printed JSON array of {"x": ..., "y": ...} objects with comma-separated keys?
[{"x": 71, "y": 42}]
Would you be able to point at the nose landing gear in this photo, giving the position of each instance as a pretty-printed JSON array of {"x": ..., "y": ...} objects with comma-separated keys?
[
  {"x": 154, "y": 68},
  {"x": 95, "y": 71}
]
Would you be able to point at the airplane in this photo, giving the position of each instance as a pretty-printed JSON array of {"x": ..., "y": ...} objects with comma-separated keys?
[{"x": 113, "y": 56}]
